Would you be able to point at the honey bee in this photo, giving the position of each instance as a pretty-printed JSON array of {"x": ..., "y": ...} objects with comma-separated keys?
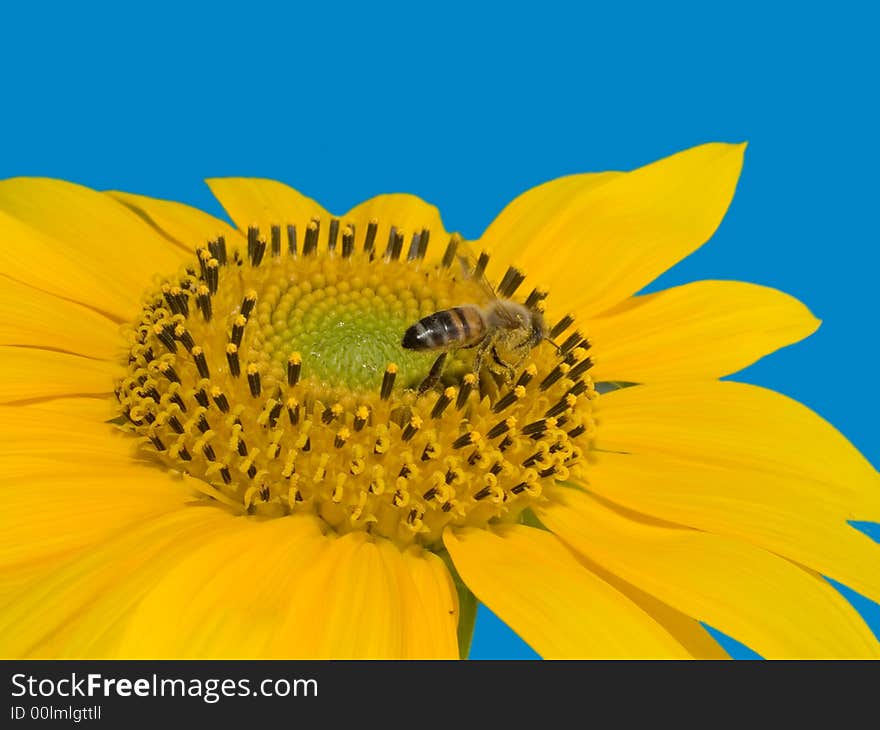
[{"x": 503, "y": 333}]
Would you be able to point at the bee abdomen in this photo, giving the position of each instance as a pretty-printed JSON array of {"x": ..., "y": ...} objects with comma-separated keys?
[{"x": 458, "y": 325}]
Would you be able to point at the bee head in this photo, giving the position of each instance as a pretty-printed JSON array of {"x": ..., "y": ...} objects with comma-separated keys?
[{"x": 538, "y": 327}]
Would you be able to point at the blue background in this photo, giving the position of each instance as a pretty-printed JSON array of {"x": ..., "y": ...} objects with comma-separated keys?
[{"x": 469, "y": 104}]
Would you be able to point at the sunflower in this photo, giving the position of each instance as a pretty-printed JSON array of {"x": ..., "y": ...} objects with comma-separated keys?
[{"x": 215, "y": 444}]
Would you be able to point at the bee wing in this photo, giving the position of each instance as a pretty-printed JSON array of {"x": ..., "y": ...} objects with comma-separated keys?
[{"x": 468, "y": 262}]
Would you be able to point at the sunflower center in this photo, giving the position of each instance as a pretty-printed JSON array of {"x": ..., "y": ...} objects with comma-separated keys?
[{"x": 276, "y": 374}]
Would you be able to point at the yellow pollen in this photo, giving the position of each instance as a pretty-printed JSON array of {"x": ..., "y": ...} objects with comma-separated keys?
[{"x": 277, "y": 374}]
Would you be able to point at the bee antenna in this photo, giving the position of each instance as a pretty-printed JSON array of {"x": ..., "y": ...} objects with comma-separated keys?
[{"x": 558, "y": 348}]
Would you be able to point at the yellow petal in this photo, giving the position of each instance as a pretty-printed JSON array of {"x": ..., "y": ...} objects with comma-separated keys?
[
  {"x": 254, "y": 201},
  {"x": 525, "y": 217},
  {"x": 409, "y": 214},
  {"x": 82, "y": 607},
  {"x": 429, "y": 610},
  {"x": 702, "y": 330},
  {"x": 365, "y": 598},
  {"x": 758, "y": 598},
  {"x": 99, "y": 409},
  {"x": 27, "y": 373},
  {"x": 595, "y": 244},
  {"x": 687, "y": 631},
  {"x": 557, "y": 606},
  {"x": 741, "y": 461},
  {"x": 189, "y": 227},
  {"x": 280, "y": 588},
  {"x": 34, "y": 318},
  {"x": 348, "y": 580},
  {"x": 80, "y": 244},
  {"x": 228, "y": 598},
  {"x": 69, "y": 481}
]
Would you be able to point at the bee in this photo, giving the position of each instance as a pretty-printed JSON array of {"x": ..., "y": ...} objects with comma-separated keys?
[{"x": 503, "y": 332}]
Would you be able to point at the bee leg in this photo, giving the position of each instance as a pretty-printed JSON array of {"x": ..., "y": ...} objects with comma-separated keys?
[
  {"x": 509, "y": 370},
  {"x": 433, "y": 375},
  {"x": 480, "y": 354}
]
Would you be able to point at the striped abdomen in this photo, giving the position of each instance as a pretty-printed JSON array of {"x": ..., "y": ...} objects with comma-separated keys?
[{"x": 456, "y": 327}]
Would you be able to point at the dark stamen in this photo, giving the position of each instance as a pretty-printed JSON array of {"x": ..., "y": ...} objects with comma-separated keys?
[
  {"x": 212, "y": 269},
  {"x": 482, "y": 263},
  {"x": 467, "y": 386},
  {"x": 232, "y": 359},
  {"x": 291, "y": 239},
  {"x": 218, "y": 250},
  {"x": 508, "y": 399},
  {"x": 561, "y": 407},
  {"x": 333, "y": 234},
  {"x": 410, "y": 429},
  {"x": 413, "y": 252},
  {"x": 571, "y": 342},
  {"x": 535, "y": 297},
  {"x": 275, "y": 238},
  {"x": 526, "y": 376},
  {"x": 347, "y": 241},
  {"x": 259, "y": 251},
  {"x": 500, "y": 428},
  {"x": 370, "y": 240},
  {"x": 169, "y": 372},
  {"x": 253, "y": 233},
  {"x": 310, "y": 245},
  {"x": 554, "y": 375},
  {"x": 201, "y": 362},
  {"x": 248, "y": 304},
  {"x": 221, "y": 401},
  {"x": 253, "y": 376},
  {"x": 184, "y": 337},
  {"x": 238, "y": 330},
  {"x": 535, "y": 427},
  {"x": 203, "y": 300},
  {"x": 580, "y": 368},
  {"x": 165, "y": 333},
  {"x": 178, "y": 401},
  {"x": 293, "y": 411},
  {"x": 388, "y": 381},
  {"x": 451, "y": 250},
  {"x": 444, "y": 400},
  {"x": 294, "y": 367},
  {"x": 513, "y": 277},
  {"x": 562, "y": 325},
  {"x": 424, "y": 237},
  {"x": 395, "y": 245}
]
